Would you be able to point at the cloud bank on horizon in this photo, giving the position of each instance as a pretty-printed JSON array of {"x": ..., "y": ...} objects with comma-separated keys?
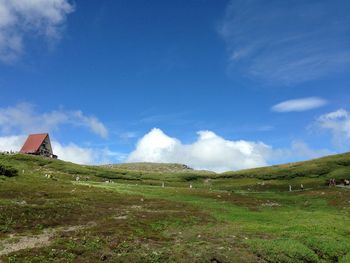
[
  {"x": 292, "y": 43},
  {"x": 209, "y": 151},
  {"x": 22, "y": 18},
  {"x": 214, "y": 153}
]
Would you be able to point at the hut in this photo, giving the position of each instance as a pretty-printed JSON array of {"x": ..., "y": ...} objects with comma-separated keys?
[{"x": 38, "y": 144}]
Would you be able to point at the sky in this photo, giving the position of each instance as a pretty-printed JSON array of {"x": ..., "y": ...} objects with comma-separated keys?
[{"x": 217, "y": 85}]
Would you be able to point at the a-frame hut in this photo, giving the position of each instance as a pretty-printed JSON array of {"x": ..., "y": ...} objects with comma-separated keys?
[{"x": 38, "y": 144}]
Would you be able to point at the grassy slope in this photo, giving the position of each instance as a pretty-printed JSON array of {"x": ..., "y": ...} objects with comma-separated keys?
[
  {"x": 335, "y": 166},
  {"x": 136, "y": 220}
]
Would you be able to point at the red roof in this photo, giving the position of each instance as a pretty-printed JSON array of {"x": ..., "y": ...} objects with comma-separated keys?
[{"x": 33, "y": 143}]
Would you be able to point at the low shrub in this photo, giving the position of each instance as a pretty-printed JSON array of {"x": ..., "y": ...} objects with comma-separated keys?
[
  {"x": 191, "y": 177},
  {"x": 8, "y": 171}
]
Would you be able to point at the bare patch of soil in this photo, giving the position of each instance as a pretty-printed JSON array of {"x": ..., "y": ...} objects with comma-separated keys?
[{"x": 15, "y": 243}]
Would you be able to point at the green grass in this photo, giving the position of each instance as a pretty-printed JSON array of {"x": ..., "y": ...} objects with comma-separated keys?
[
  {"x": 283, "y": 250},
  {"x": 335, "y": 166},
  {"x": 229, "y": 217}
]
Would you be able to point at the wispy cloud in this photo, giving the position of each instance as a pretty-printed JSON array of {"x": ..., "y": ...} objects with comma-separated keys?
[
  {"x": 299, "y": 150},
  {"x": 23, "y": 118},
  {"x": 91, "y": 122},
  {"x": 338, "y": 124},
  {"x": 299, "y": 105},
  {"x": 287, "y": 43},
  {"x": 125, "y": 136},
  {"x": 19, "y": 18}
]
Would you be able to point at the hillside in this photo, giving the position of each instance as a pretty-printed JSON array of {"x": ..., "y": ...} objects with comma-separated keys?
[
  {"x": 335, "y": 166},
  {"x": 55, "y": 211},
  {"x": 124, "y": 172}
]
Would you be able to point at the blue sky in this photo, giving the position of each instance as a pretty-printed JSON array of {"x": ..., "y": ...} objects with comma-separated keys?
[{"x": 214, "y": 84}]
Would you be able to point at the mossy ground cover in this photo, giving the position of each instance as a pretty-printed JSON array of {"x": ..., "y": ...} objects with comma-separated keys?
[{"x": 135, "y": 219}]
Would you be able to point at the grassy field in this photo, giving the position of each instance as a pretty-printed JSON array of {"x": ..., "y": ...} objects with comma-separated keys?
[{"x": 122, "y": 214}]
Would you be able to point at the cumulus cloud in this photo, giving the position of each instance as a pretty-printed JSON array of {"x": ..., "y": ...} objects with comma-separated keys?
[
  {"x": 214, "y": 153},
  {"x": 19, "y": 18},
  {"x": 24, "y": 118},
  {"x": 299, "y": 105},
  {"x": 209, "y": 151},
  {"x": 338, "y": 123},
  {"x": 287, "y": 43}
]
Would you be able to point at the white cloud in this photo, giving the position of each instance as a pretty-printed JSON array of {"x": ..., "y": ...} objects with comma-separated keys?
[
  {"x": 284, "y": 43},
  {"x": 302, "y": 104},
  {"x": 209, "y": 151},
  {"x": 11, "y": 143},
  {"x": 338, "y": 123},
  {"x": 85, "y": 155},
  {"x": 90, "y": 122},
  {"x": 214, "y": 153},
  {"x": 335, "y": 115},
  {"x": 298, "y": 150},
  {"x": 19, "y": 18},
  {"x": 73, "y": 153},
  {"x": 23, "y": 118}
]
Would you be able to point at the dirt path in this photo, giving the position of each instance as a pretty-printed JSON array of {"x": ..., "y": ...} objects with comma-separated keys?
[{"x": 16, "y": 243}]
